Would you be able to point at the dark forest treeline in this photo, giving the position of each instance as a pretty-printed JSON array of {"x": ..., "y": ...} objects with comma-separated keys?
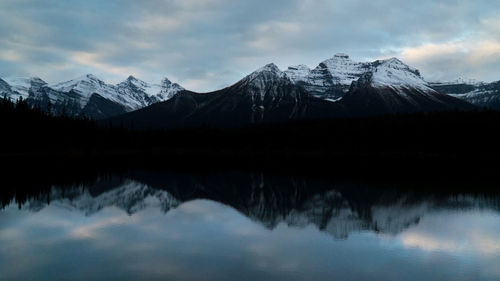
[{"x": 444, "y": 144}]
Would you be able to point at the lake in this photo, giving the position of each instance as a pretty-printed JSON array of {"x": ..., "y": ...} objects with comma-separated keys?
[{"x": 246, "y": 226}]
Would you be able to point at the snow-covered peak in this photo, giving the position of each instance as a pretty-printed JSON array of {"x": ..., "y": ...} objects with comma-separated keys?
[
  {"x": 166, "y": 83},
  {"x": 396, "y": 74},
  {"x": 140, "y": 85},
  {"x": 396, "y": 64},
  {"x": 460, "y": 81},
  {"x": 339, "y": 72},
  {"x": 131, "y": 78},
  {"x": 22, "y": 85},
  {"x": 88, "y": 83},
  {"x": 91, "y": 76},
  {"x": 168, "y": 89},
  {"x": 331, "y": 79},
  {"x": 269, "y": 68},
  {"x": 163, "y": 91},
  {"x": 265, "y": 76}
]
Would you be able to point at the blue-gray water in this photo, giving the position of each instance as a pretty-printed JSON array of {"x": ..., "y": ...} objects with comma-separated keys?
[{"x": 130, "y": 230}]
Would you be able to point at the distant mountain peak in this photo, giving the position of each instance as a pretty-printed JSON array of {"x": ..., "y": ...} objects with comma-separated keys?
[
  {"x": 21, "y": 85},
  {"x": 90, "y": 76},
  {"x": 393, "y": 60},
  {"x": 396, "y": 74},
  {"x": 460, "y": 81},
  {"x": 341, "y": 56},
  {"x": 268, "y": 73},
  {"x": 166, "y": 81},
  {"x": 271, "y": 67},
  {"x": 397, "y": 64},
  {"x": 169, "y": 89},
  {"x": 131, "y": 78},
  {"x": 75, "y": 83}
]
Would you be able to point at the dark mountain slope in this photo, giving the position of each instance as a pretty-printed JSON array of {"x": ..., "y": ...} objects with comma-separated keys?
[{"x": 366, "y": 99}]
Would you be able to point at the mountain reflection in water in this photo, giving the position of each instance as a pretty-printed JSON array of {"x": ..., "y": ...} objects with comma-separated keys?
[{"x": 248, "y": 227}]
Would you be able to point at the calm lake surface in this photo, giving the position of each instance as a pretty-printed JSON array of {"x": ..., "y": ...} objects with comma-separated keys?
[{"x": 246, "y": 227}]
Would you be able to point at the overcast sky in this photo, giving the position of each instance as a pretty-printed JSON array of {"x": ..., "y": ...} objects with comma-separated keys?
[{"x": 204, "y": 45}]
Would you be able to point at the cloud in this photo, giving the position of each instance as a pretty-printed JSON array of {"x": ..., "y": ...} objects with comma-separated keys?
[
  {"x": 474, "y": 56},
  {"x": 206, "y": 44}
]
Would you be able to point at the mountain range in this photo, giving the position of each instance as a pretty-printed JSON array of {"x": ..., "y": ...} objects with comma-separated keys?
[
  {"x": 88, "y": 95},
  {"x": 269, "y": 95},
  {"x": 337, "y": 87}
]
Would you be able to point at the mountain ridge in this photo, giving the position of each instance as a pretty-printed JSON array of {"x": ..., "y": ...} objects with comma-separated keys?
[
  {"x": 263, "y": 92},
  {"x": 269, "y": 95},
  {"x": 88, "y": 94}
]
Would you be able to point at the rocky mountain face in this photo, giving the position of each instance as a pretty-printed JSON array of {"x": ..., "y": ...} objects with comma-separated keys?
[
  {"x": 89, "y": 95},
  {"x": 478, "y": 93},
  {"x": 331, "y": 79},
  {"x": 6, "y": 89}
]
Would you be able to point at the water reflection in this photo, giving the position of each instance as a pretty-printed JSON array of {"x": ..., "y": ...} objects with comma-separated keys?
[{"x": 247, "y": 227}]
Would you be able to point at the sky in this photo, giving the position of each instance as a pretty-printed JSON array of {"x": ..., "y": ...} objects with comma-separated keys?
[{"x": 206, "y": 45}]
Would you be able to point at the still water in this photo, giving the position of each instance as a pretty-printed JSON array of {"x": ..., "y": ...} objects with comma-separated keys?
[{"x": 246, "y": 227}]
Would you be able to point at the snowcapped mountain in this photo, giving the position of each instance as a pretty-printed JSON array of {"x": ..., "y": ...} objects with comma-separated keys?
[
  {"x": 331, "y": 79},
  {"x": 266, "y": 95},
  {"x": 89, "y": 95},
  {"x": 394, "y": 74},
  {"x": 344, "y": 88},
  {"x": 147, "y": 93},
  {"x": 392, "y": 87},
  {"x": 6, "y": 89},
  {"x": 168, "y": 90},
  {"x": 88, "y": 85},
  {"x": 131, "y": 93},
  {"x": 478, "y": 93},
  {"x": 21, "y": 86}
]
